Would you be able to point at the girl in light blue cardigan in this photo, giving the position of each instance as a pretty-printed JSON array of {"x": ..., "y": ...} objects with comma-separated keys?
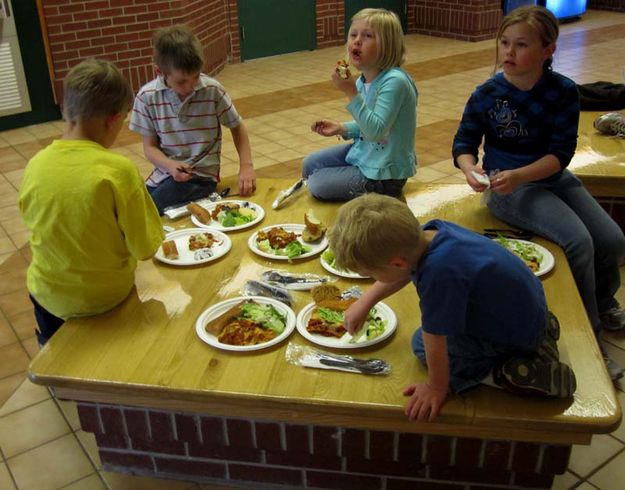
[{"x": 383, "y": 103}]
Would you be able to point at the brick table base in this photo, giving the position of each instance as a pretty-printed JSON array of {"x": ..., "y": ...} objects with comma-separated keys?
[{"x": 258, "y": 453}]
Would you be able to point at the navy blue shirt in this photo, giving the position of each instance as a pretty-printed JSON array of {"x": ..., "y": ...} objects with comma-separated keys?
[
  {"x": 519, "y": 127},
  {"x": 468, "y": 284}
]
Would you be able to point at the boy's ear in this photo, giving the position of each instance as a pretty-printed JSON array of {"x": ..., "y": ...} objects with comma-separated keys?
[
  {"x": 157, "y": 70},
  {"x": 112, "y": 119},
  {"x": 399, "y": 262}
]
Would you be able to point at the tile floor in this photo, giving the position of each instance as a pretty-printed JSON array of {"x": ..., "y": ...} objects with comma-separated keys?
[{"x": 41, "y": 444}]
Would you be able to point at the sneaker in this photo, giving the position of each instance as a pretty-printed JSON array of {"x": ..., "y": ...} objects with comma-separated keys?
[
  {"x": 613, "y": 319},
  {"x": 614, "y": 370},
  {"x": 533, "y": 376},
  {"x": 548, "y": 348},
  {"x": 611, "y": 123}
]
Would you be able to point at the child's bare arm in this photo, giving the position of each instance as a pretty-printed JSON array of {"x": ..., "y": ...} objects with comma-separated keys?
[
  {"x": 180, "y": 171},
  {"x": 247, "y": 176},
  {"x": 357, "y": 313},
  {"x": 426, "y": 399}
]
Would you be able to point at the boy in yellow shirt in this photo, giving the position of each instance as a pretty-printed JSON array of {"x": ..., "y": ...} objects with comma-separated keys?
[{"x": 87, "y": 208}]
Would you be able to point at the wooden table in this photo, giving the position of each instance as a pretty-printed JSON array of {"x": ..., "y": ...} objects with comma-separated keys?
[{"x": 145, "y": 353}]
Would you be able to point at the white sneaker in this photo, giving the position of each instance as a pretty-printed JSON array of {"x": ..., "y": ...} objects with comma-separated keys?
[{"x": 611, "y": 123}]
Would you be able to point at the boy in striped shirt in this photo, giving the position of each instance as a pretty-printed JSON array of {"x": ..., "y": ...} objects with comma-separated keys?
[{"x": 179, "y": 115}]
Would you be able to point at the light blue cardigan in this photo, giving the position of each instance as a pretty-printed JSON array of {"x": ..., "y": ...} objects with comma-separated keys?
[{"x": 384, "y": 125}]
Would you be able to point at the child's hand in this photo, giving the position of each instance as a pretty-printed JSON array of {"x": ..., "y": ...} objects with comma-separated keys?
[
  {"x": 247, "y": 180},
  {"x": 345, "y": 85},
  {"x": 355, "y": 316},
  {"x": 326, "y": 127},
  {"x": 505, "y": 182},
  {"x": 181, "y": 172},
  {"x": 425, "y": 401},
  {"x": 473, "y": 181}
]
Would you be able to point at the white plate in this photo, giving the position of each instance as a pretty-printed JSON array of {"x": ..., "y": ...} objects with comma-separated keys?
[
  {"x": 340, "y": 272},
  {"x": 315, "y": 248},
  {"x": 548, "y": 259},
  {"x": 216, "y": 225},
  {"x": 186, "y": 256},
  {"x": 383, "y": 310},
  {"x": 216, "y": 310}
]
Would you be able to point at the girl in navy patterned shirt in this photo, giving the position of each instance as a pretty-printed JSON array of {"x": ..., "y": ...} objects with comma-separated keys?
[{"x": 527, "y": 116}]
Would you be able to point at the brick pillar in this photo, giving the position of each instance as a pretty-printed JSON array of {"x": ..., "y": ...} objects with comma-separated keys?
[
  {"x": 207, "y": 448},
  {"x": 615, "y": 5}
]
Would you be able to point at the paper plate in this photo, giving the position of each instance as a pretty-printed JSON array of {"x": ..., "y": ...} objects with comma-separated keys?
[
  {"x": 192, "y": 257},
  {"x": 216, "y": 225},
  {"x": 219, "y": 308},
  {"x": 315, "y": 247}
]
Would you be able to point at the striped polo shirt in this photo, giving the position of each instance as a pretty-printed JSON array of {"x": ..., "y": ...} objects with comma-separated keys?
[{"x": 189, "y": 130}]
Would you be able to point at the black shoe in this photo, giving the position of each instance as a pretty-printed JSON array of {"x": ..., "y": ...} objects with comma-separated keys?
[
  {"x": 533, "y": 376},
  {"x": 548, "y": 349},
  {"x": 613, "y": 319}
]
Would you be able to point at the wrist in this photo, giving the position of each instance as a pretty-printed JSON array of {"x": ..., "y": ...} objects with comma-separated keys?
[
  {"x": 246, "y": 165},
  {"x": 436, "y": 386}
]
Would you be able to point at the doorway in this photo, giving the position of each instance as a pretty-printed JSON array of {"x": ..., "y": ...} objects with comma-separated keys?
[{"x": 271, "y": 27}]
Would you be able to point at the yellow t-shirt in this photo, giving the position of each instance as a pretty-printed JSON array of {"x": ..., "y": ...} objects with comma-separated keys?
[{"x": 90, "y": 219}]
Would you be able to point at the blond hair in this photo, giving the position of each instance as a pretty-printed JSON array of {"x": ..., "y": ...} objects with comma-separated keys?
[
  {"x": 371, "y": 230},
  {"x": 389, "y": 35},
  {"x": 95, "y": 88},
  {"x": 538, "y": 18},
  {"x": 177, "y": 48}
]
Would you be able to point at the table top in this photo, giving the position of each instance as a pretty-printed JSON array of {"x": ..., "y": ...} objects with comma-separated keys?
[
  {"x": 599, "y": 159},
  {"x": 146, "y": 351}
]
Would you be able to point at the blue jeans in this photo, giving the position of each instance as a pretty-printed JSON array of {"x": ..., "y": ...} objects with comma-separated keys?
[
  {"x": 331, "y": 178},
  {"x": 565, "y": 213},
  {"x": 47, "y": 323},
  {"x": 171, "y": 193}
]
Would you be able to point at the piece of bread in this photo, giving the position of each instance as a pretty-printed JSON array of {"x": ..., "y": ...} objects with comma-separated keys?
[
  {"x": 325, "y": 292},
  {"x": 342, "y": 68},
  {"x": 314, "y": 230},
  {"x": 170, "y": 251},
  {"x": 339, "y": 304},
  {"x": 199, "y": 212},
  {"x": 217, "y": 324}
]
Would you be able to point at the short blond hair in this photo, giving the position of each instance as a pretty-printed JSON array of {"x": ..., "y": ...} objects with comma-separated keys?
[
  {"x": 177, "y": 48},
  {"x": 538, "y": 18},
  {"x": 389, "y": 34},
  {"x": 95, "y": 88},
  {"x": 371, "y": 230}
]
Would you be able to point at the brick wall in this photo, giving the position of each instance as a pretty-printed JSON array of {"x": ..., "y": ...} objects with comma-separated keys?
[
  {"x": 233, "y": 450},
  {"x": 121, "y": 31},
  {"x": 473, "y": 20},
  {"x": 330, "y": 23},
  {"x": 616, "y": 5}
]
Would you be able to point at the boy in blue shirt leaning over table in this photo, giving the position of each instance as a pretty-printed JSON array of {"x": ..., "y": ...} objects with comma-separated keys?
[
  {"x": 483, "y": 312},
  {"x": 87, "y": 208}
]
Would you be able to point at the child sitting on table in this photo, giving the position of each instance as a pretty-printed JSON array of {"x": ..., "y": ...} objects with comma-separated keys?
[
  {"x": 483, "y": 312},
  {"x": 383, "y": 103},
  {"x": 180, "y": 114},
  {"x": 87, "y": 209}
]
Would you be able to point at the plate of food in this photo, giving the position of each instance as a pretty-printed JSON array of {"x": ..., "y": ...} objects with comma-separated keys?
[
  {"x": 328, "y": 263},
  {"x": 285, "y": 242},
  {"x": 538, "y": 258},
  {"x": 193, "y": 246},
  {"x": 226, "y": 215},
  {"x": 321, "y": 321},
  {"x": 245, "y": 323}
]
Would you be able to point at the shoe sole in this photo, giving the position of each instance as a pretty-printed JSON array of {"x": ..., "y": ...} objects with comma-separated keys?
[{"x": 534, "y": 377}]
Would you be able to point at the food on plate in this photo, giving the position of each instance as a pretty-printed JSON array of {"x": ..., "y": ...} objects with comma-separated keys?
[
  {"x": 199, "y": 212},
  {"x": 526, "y": 251},
  {"x": 247, "y": 323},
  {"x": 314, "y": 230},
  {"x": 170, "y": 250},
  {"x": 330, "y": 259},
  {"x": 328, "y": 316},
  {"x": 233, "y": 214},
  {"x": 201, "y": 240},
  {"x": 278, "y": 241},
  {"x": 342, "y": 68}
]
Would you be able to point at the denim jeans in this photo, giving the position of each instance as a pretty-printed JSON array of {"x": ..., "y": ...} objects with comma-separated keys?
[
  {"x": 565, "y": 213},
  {"x": 171, "y": 193},
  {"x": 47, "y": 323},
  {"x": 331, "y": 178}
]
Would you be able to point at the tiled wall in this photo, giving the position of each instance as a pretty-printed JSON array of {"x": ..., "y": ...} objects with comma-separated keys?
[{"x": 234, "y": 450}]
